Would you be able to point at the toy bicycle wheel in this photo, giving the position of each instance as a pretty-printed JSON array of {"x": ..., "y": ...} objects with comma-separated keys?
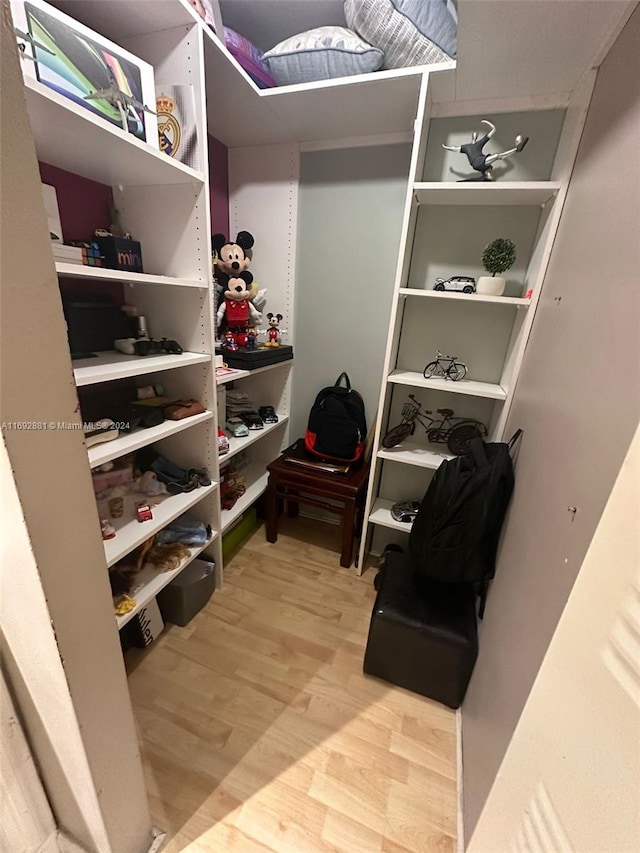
[
  {"x": 398, "y": 434},
  {"x": 430, "y": 369},
  {"x": 457, "y": 371},
  {"x": 461, "y": 436}
]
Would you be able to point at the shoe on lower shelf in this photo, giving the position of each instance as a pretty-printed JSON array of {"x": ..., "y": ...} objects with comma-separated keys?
[{"x": 202, "y": 474}]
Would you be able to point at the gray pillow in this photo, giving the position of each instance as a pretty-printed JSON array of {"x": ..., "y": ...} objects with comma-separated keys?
[
  {"x": 410, "y": 32},
  {"x": 321, "y": 54}
]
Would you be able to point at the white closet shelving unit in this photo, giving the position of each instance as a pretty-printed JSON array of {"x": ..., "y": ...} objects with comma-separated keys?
[
  {"x": 446, "y": 226},
  {"x": 266, "y": 386},
  {"x": 165, "y": 204}
]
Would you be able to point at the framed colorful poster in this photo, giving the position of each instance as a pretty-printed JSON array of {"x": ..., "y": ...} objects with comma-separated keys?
[{"x": 90, "y": 70}]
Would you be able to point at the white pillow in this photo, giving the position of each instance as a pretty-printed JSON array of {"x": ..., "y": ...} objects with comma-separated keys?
[
  {"x": 321, "y": 54},
  {"x": 410, "y": 32}
]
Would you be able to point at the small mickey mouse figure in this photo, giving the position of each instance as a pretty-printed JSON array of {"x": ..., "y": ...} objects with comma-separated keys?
[{"x": 273, "y": 332}]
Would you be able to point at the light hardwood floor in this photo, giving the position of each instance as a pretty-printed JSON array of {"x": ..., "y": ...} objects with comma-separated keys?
[{"x": 259, "y": 732}]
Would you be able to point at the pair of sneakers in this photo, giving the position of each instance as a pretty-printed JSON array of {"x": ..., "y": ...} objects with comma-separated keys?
[{"x": 193, "y": 479}]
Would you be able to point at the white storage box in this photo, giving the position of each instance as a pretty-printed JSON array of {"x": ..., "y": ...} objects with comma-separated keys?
[
  {"x": 148, "y": 624},
  {"x": 76, "y": 62},
  {"x": 69, "y": 254}
]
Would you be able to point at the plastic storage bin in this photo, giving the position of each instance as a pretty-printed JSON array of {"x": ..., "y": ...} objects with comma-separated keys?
[{"x": 188, "y": 593}]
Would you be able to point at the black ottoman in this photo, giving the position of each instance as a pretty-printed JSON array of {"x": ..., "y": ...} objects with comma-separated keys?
[{"x": 424, "y": 638}]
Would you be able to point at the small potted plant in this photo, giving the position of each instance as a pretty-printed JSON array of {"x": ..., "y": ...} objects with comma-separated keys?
[{"x": 498, "y": 256}]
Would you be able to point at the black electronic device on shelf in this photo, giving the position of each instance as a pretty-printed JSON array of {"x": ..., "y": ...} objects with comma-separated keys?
[{"x": 253, "y": 359}]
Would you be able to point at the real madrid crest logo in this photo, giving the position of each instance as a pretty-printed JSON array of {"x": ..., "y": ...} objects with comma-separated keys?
[{"x": 169, "y": 132}]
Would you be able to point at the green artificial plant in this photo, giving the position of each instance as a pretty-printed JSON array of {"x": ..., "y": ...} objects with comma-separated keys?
[{"x": 499, "y": 255}]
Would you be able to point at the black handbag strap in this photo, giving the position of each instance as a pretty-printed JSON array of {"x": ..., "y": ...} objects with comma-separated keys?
[
  {"x": 347, "y": 381},
  {"x": 514, "y": 438}
]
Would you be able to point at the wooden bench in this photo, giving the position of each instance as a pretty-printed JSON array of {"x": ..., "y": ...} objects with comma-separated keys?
[{"x": 338, "y": 493}]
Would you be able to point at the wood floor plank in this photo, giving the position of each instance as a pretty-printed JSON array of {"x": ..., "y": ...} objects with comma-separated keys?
[
  {"x": 260, "y": 733},
  {"x": 349, "y": 836}
]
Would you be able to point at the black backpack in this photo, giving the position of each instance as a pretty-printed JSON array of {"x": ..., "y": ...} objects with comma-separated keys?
[
  {"x": 454, "y": 537},
  {"x": 337, "y": 425}
]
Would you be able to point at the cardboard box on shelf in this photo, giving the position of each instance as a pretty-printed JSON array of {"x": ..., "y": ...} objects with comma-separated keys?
[{"x": 119, "y": 476}]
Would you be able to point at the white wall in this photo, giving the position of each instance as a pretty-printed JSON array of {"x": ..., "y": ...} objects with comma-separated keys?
[
  {"x": 571, "y": 777},
  {"x": 27, "y": 821},
  {"x": 578, "y": 408},
  {"x": 350, "y": 215},
  {"x": 61, "y": 642}
]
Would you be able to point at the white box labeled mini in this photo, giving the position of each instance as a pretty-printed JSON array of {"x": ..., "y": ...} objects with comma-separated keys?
[
  {"x": 95, "y": 65},
  {"x": 149, "y": 623}
]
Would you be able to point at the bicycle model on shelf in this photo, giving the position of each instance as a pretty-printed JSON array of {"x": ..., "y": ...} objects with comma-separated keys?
[
  {"x": 455, "y": 432},
  {"x": 446, "y": 366}
]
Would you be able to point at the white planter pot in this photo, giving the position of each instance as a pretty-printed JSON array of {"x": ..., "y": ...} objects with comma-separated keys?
[{"x": 490, "y": 285}]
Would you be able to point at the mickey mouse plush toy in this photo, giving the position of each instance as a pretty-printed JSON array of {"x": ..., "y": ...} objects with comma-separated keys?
[
  {"x": 238, "y": 311},
  {"x": 235, "y": 280},
  {"x": 231, "y": 257}
]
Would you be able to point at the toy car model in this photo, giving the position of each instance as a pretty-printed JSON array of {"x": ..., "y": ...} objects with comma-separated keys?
[
  {"x": 405, "y": 511},
  {"x": 252, "y": 420},
  {"x": 268, "y": 414},
  {"x": 143, "y": 512},
  {"x": 465, "y": 283},
  {"x": 237, "y": 427}
]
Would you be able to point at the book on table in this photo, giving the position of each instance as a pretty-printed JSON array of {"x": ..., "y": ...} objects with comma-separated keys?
[{"x": 297, "y": 456}]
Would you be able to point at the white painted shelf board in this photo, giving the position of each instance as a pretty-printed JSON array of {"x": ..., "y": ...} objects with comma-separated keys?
[
  {"x": 150, "y": 581},
  {"x": 231, "y": 377},
  {"x": 463, "y": 386},
  {"x": 242, "y": 374},
  {"x": 101, "y": 274},
  {"x": 140, "y": 18},
  {"x": 256, "y": 479},
  {"x": 520, "y": 193},
  {"x": 381, "y": 515},
  {"x": 130, "y": 532},
  {"x": 374, "y": 103},
  {"x": 519, "y": 302},
  {"x": 415, "y": 454},
  {"x": 127, "y": 443},
  {"x": 72, "y": 138},
  {"x": 116, "y": 365},
  {"x": 236, "y": 445}
]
